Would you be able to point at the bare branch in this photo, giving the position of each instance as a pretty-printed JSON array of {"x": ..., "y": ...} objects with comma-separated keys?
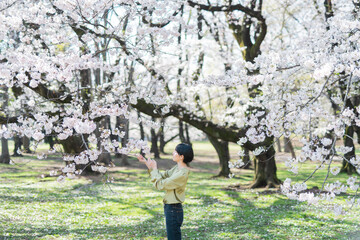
[
  {"x": 161, "y": 25},
  {"x": 228, "y": 8}
]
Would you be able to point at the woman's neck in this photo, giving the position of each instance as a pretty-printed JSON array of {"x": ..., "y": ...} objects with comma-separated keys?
[{"x": 181, "y": 165}]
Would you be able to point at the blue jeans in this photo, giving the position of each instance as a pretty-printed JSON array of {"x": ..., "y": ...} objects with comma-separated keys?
[{"x": 174, "y": 217}]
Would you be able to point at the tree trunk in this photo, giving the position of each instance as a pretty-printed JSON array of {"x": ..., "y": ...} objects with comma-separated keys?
[
  {"x": 17, "y": 146},
  {"x": 118, "y": 126},
  {"x": 124, "y": 158},
  {"x": 278, "y": 143},
  {"x": 49, "y": 139},
  {"x": 26, "y": 142},
  {"x": 288, "y": 147},
  {"x": 187, "y": 134},
  {"x": 162, "y": 136},
  {"x": 74, "y": 145},
  {"x": 5, "y": 156},
  {"x": 123, "y": 125},
  {"x": 222, "y": 149},
  {"x": 265, "y": 170},
  {"x": 105, "y": 156},
  {"x": 181, "y": 132},
  {"x": 154, "y": 147},
  {"x": 348, "y": 142},
  {"x": 246, "y": 159},
  {"x": 170, "y": 139},
  {"x": 142, "y": 132},
  {"x": 357, "y": 130},
  {"x": 51, "y": 142}
]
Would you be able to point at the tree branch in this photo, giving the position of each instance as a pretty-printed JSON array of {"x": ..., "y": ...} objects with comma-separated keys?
[
  {"x": 228, "y": 8},
  {"x": 161, "y": 25},
  {"x": 48, "y": 94},
  {"x": 230, "y": 134}
]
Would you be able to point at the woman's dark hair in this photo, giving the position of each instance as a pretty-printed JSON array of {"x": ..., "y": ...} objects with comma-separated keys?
[{"x": 185, "y": 150}]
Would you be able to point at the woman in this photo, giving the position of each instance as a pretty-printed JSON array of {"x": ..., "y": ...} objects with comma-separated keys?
[{"x": 173, "y": 181}]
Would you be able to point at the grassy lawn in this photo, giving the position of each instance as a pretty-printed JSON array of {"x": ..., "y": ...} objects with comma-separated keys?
[{"x": 37, "y": 207}]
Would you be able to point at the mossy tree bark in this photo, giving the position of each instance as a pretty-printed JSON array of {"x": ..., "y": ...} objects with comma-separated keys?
[{"x": 265, "y": 170}]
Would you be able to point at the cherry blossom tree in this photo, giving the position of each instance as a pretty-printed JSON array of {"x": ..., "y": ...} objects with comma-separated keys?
[{"x": 248, "y": 72}]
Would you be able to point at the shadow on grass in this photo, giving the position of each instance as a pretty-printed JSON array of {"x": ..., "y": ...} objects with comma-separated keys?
[
  {"x": 250, "y": 222},
  {"x": 148, "y": 229}
]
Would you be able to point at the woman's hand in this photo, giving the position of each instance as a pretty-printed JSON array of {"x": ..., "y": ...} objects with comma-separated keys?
[
  {"x": 151, "y": 164},
  {"x": 141, "y": 158}
]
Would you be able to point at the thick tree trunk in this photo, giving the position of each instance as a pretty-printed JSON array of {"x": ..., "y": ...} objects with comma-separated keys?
[
  {"x": 5, "y": 156},
  {"x": 265, "y": 170},
  {"x": 347, "y": 167},
  {"x": 74, "y": 145},
  {"x": 105, "y": 158},
  {"x": 222, "y": 149}
]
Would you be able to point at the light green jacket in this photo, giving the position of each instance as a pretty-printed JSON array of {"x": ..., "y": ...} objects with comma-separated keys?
[{"x": 173, "y": 181}]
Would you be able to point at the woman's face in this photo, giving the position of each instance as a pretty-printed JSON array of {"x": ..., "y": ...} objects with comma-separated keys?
[{"x": 177, "y": 157}]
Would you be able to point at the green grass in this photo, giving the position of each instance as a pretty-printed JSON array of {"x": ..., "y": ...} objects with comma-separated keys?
[{"x": 35, "y": 207}]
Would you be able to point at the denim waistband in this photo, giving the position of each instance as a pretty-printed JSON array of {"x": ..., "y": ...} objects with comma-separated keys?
[{"x": 173, "y": 204}]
